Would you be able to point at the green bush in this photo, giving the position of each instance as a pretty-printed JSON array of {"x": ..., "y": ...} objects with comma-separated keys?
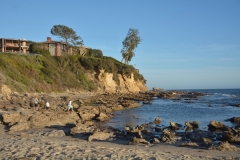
[{"x": 38, "y": 48}]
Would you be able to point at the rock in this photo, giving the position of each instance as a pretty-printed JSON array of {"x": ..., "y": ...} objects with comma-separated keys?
[
  {"x": 167, "y": 136},
  {"x": 224, "y": 146},
  {"x": 235, "y": 119},
  {"x": 20, "y": 126},
  {"x": 158, "y": 129},
  {"x": 194, "y": 124},
  {"x": 87, "y": 116},
  {"x": 191, "y": 144},
  {"x": 216, "y": 125},
  {"x": 175, "y": 126},
  {"x": 57, "y": 133},
  {"x": 157, "y": 120},
  {"x": 136, "y": 140},
  {"x": 51, "y": 119},
  {"x": 207, "y": 141},
  {"x": 231, "y": 135},
  {"x": 155, "y": 140},
  {"x": 14, "y": 117},
  {"x": 147, "y": 102},
  {"x": 102, "y": 117},
  {"x": 127, "y": 128},
  {"x": 100, "y": 136},
  {"x": 11, "y": 117},
  {"x": 82, "y": 128}
]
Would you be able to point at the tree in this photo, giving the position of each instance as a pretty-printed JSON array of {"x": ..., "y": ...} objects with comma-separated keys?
[
  {"x": 129, "y": 44},
  {"x": 68, "y": 35}
]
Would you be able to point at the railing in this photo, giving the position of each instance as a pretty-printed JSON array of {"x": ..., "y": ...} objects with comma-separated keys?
[{"x": 12, "y": 44}]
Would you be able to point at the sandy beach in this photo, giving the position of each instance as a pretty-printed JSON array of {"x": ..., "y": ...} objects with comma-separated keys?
[{"x": 19, "y": 146}]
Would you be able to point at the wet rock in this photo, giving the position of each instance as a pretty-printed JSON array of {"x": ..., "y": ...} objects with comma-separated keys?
[
  {"x": 235, "y": 119},
  {"x": 235, "y": 105},
  {"x": 167, "y": 136},
  {"x": 175, "y": 126},
  {"x": 157, "y": 120},
  {"x": 216, "y": 125},
  {"x": 147, "y": 102},
  {"x": 231, "y": 135},
  {"x": 193, "y": 124}
]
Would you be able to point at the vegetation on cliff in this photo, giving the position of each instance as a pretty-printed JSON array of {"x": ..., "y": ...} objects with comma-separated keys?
[{"x": 44, "y": 73}]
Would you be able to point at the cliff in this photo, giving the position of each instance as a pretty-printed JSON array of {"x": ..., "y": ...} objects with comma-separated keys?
[
  {"x": 126, "y": 84},
  {"x": 31, "y": 73}
]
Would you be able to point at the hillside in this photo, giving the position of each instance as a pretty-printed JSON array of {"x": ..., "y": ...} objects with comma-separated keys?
[{"x": 43, "y": 73}]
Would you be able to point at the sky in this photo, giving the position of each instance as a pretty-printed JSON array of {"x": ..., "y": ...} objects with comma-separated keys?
[{"x": 185, "y": 44}]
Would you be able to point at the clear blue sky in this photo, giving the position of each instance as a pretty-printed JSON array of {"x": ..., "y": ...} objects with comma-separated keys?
[{"x": 188, "y": 44}]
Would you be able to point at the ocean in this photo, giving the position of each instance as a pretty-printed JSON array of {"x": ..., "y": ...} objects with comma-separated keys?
[{"x": 218, "y": 104}]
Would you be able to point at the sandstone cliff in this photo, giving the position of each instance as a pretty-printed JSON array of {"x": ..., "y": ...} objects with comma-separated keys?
[{"x": 126, "y": 84}]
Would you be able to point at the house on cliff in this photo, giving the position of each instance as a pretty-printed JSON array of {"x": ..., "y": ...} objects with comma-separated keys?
[
  {"x": 13, "y": 45},
  {"x": 56, "y": 48}
]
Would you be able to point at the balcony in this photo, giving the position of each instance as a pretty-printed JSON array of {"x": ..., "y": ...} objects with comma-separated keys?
[{"x": 12, "y": 44}]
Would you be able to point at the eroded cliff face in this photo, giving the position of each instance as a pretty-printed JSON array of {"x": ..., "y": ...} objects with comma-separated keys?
[
  {"x": 105, "y": 82},
  {"x": 125, "y": 84}
]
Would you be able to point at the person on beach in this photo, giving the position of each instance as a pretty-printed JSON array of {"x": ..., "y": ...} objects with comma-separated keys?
[
  {"x": 35, "y": 104},
  {"x": 47, "y": 105},
  {"x": 70, "y": 105}
]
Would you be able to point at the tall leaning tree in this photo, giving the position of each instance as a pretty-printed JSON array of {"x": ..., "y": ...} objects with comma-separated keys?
[
  {"x": 129, "y": 44},
  {"x": 69, "y": 36}
]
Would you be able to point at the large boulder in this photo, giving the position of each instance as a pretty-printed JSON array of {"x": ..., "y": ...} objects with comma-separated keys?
[
  {"x": 82, "y": 128},
  {"x": 231, "y": 135},
  {"x": 216, "y": 125},
  {"x": 52, "y": 119},
  {"x": 14, "y": 117},
  {"x": 167, "y": 136}
]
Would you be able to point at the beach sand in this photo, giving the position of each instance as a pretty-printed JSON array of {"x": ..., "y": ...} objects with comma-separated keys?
[{"x": 30, "y": 145}]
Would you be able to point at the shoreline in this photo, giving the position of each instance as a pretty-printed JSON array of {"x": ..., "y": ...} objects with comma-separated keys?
[{"x": 50, "y": 143}]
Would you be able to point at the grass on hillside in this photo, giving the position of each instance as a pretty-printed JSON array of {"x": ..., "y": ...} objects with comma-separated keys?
[{"x": 37, "y": 73}]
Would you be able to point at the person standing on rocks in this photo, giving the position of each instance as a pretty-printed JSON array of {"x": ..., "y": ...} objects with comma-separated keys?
[
  {"x": 35, "y": 105},
  {"x": 47, "y": 105},
  {"x": 70, "y": 105}
]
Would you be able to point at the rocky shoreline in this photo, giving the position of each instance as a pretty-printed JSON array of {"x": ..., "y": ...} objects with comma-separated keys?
[{"x": 85, "y": 124}]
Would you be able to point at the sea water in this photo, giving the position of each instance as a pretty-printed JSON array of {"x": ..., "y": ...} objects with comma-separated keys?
[{"x": 218, "y": 104}]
